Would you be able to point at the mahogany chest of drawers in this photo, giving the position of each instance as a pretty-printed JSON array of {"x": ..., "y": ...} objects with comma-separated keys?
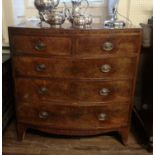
[{"x": 74, "y": 81}]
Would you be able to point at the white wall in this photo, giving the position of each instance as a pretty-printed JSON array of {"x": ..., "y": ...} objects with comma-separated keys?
[
  {"x": 138, "y": 11},
  {"x": 7, "y": 19}
]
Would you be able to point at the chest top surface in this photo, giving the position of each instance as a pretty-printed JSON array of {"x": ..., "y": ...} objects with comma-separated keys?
[{"x": 34, "y": 27}]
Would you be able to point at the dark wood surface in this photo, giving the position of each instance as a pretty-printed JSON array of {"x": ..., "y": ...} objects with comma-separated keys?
[
  {"x": 72, "y": 90},
  {"x": 37, "y": 143},
  {"x": 75, "y": 117},
  {"x": 53, "y": 76},
  {"x": 60, "y": 46},
  {"x": 71, "y": 68}
]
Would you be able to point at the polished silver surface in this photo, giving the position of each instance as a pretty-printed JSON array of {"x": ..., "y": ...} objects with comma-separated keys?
[
  {"x": 76, "y": 7},
  {"x": 77, "y": 16},
  {"x": 113, "y": 22},
  {"x": 88, "y": 19},
  {"x": 54, "y": 18},
  {"x": 81, "y": 21},
  {"x": 78, "y": 20},
  {"x": 47, "y": 12},
  {"x": 43, "y": 5}
]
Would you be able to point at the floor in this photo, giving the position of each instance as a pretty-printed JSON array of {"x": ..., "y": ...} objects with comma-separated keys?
[{"x": 36, "y": 143}]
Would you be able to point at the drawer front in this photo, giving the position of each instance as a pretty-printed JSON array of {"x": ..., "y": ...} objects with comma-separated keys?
[
  {"x": 42, "y": 45},
  {"x": 74, "y": 117},
  {"x": 110, "y": 68},
  {"x": 72, "y": 91},
  {"x": 108, "y": 45}
]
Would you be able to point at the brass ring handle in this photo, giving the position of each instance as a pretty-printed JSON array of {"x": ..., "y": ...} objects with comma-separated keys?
[
  {"x": 40, "y": 67},
  {"x": 43, "y": 114},
  {"x": 107, "y": 46},
  {"x": 102, "y": 116},
  {"x": 42, "y": 90},
  {"x": 40, "y": 46},
  {"x": 105, "y": 68},
  {"x": 104, "y": 92}
]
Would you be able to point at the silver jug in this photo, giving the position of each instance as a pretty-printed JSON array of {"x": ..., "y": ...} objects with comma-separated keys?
[{"x": 76, "y": 9}]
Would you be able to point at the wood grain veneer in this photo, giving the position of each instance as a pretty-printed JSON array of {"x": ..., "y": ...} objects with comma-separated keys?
[{"x": 74, "y": 81}]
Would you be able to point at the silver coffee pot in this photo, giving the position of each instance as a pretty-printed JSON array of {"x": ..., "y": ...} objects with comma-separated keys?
[
  {"x": 43, "y": 5},
  {"x": 48, "y": 12}
]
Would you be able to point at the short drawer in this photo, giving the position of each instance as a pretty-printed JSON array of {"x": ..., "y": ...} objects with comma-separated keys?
[
  {"x": 72, "y": 90},
  {"x": 107, "y": 45},
  {"x": 106, "y": 68},
  {"x": 40, "y": 45},
  {"x": 74, "y": 117}
]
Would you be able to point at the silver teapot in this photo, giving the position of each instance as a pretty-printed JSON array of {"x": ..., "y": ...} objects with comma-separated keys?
[
  {"x": 43, "y": 5},
  {"x": 48, "y": 13},
  {"x": 54, "y": 18}
]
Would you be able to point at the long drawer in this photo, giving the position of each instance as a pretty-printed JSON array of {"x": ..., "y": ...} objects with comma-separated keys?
[
  {"x": 107, "y": 45},
  {"x": 115, "y": 44},
  {"x": 28, "y": 90},
  {"x": 39, "y": 45},
  {"x": 107, "y": 68},
  {"x": 74, "y": 117}
]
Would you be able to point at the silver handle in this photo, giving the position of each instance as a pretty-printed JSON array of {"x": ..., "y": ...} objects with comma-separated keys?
[
  {"x": 43, "y": 114},
  {"x": 107, "y": 46},
  {"x": 104, "y": 92},
  {"x": 102, "y": 116},
  {"x": 105, "y": 68},
  {"x": 86, "y": 7}
]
